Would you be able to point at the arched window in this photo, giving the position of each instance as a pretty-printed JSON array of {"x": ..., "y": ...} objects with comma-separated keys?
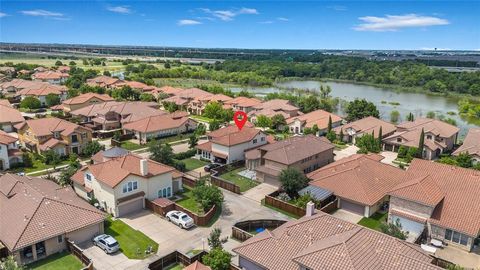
[
  {"x": 169, "y": 192},
  {"x": 164, "y": 192},
  {"x": 160, "y": 193}
]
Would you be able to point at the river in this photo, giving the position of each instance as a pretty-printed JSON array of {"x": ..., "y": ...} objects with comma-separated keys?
[{"x": 417, "y": 103}]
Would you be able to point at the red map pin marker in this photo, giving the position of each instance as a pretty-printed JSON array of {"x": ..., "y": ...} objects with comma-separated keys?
[{"x": 240, "y": 119}]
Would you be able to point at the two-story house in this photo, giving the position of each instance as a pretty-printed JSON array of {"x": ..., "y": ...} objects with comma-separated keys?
[
  {"x": 41, "y": 90},
  {"x": 50, "y": 76},
  {"x": 9, "y": 152},
  {"x": 471, "y": 145},
  {"x": 244, "y": 104},
  {"x": 320, "y": 118},
  {"x": 82, "y": 101},
  {"x": 439, "y": 137},
  {"x": 442, "y": 199},
  {"x": 104, "y": 81},
  {"x": 38, "y": 217},
  {"x": 197, "y": 105},
  {"x": 230, "y": 143},
  {"x": 9, "y": 116},
  {"x": 304, "y": 153},
  {"x": 273, "y": 107},
  {"x": 55, "y": 134},
  {"x": 122, "y": 184},
  {"x": 368, "y": 125}
]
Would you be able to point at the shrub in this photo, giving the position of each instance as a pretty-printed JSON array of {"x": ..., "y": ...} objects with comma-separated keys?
[
  {"x": 187, "y": 154},
  {"x": 207, "y": 196},
  {"x": 402, "y": 151},
  {"x": 30, "y": 103},
  {"x": 394, "y": 229},
  {"x": 292, "y": 181}
]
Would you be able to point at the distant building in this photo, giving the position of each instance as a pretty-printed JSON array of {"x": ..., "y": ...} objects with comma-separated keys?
[
  {"x": 297, "y": 124},
  {"x": 368, "y": 125},
  {"x": 82, "y": 101},
  {"x": 50, "y": 76},
  {"x": 9, "y": 152},
  {"x": 244, "y": 104},
  {"x": 9, "y": 116}
]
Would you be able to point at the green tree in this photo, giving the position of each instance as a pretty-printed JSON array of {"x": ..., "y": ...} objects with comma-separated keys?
[
  {"x": 263, "y": 121},
  {"x": 309, "y": 104},
  {"x": 9, "y": 263},
  {"x": 361, "y": 108},
  {"x": 329, "y": 126},
  {"x": 341, "y": 135},
  {"x": 394, "y": 116},
  {"x": 162, "y": 153},
  {"x": 200, "y": 130},
  {"x": 380, "y": 137},
  {"x": 394, "y": 229},
  {"x": 27, "y": 160},
  {"x": 166, "y": 65},
  {"x": 278, "y": 121},
  {"x": 431, "y": 115},
  {"x": 93, "y": 147},
  {"x": 207, "y": 196},
  {"x": 52, "y": 158},
  {"x": 217, "y": 259},
  {"x": 331, "y": 136},
  {"x": 214, "y": 125},
  {"x": 292, "y": 181},
  {"x": 411, "y": 153},
  {"x": 402, "y": 151},
  {"x": 421, "y": 143},
  {"x": 52, "y": 99},
  {"x": 192, "y": 141},
  {"x": 170, "y": 106},
  {"x": 410, "y": 117},
  {"x": 215, "y": 240},
  {"x": 72, "y": 63},
  {"x": 367, "y": 144},
  {"x": 31, "y": 103},
  {"x": 126, "y": 93},
  {"x": 213, "y": 110},
  {"x": 464, "y": 160},
  {"x": 58, "y": 63}
]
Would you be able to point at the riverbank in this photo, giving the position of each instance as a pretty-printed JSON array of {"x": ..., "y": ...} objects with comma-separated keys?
[{"x": 389, "y": 87}]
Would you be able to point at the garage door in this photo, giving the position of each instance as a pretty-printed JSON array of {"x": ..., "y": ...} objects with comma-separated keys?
[
  {"x": 85, "y": 234},
  {"x": 130, "y": 207},
  {"x": 271, "y": 180},
  {"x": 413, "y": 227},
  {"x": 352, "y": 207}
]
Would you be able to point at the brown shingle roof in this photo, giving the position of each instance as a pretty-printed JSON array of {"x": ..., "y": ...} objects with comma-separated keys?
[
  {"x": 367, "y": 125},
  {"x": 360, "y": 178},
  {"x": 35, "y": 209},
  {"x": 112, "y": 172},
  {"x": 471, "y": 144},
  {"x": 318, "y": 117},
  {"x": 460, "y": 208},
  {"x": 325, "y": 242},
  {"x": 294, "y": 149}
]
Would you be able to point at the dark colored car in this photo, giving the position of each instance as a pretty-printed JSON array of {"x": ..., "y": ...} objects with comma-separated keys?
[{"x": 211, "y": 166}]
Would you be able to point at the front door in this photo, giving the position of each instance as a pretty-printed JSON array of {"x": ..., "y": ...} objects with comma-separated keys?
[{"x": 75, "y": 150}]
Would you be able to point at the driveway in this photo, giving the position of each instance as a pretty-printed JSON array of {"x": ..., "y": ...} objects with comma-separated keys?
[
  {"x": 101, "y": 260},
  {"x": 350, "y": 150},
  {"x": 389, "y": 157},
  {"x": 347, "y": 216},
  {"x": 183, "y": 147},
  {"x": 170, "y": 237},
  {"x": 258, "y": 193},
  {"x": 469, "y": 260}
]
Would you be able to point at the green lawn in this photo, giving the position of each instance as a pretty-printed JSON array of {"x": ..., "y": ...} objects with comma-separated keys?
[
  {"x": 176, "y": 266},
  {"x": 128, "y": 145},
  {"x": 133, "y": 243},
  {"x": 59, "y": 261},
  {"x": 193, "y": 163},
  {"x": 37, "y": 165},
  {"x": 243, "y": 182},
  {"x": 201, "y": 118},
  {"x": 280, "y": 210},
  {"x": 189, "y": 202},
  {"x": 374, "y": 221}
]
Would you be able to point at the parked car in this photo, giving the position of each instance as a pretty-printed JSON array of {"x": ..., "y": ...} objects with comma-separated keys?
[
  {"x": 180, "y": 218},
  {"x": 107, "y": 243},
  {"x": 211, "y": 166}
]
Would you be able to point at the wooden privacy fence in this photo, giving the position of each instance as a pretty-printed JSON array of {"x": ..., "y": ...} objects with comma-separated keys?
[
  {"x": 78, "y": 252},
  {"x": 175, "y": 257},
  {"x": 241, "y": 230},
  {"x": 199, "y": 220},
  {"x": 330, "y": 207},
  {"x": 189, "y": 180},
  {"x": 220, "y": 182},
  {"x": 285, "y": 206}
]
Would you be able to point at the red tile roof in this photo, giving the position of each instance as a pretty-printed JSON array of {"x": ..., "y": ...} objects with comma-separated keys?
[
  {"x": 325, "y": 242},
  {"x": 86, "y": 97},
  {"x": 50, "y": 75},
  {"x": 10, "y": 115},
  {"x": 367, "y": 125},
  {"x": 35, "y": 209},
  {"x": 6, "y": 139},
  {"x": 318, "y": 117},
  {"x": 197, "y": 266},
  {"x": 471, "y": 144},
  {"x": 360, "y": 178},
  {"x": 158, "y": 123},
  {"x": 46, "y": 126},
  {"x": 231, "y": 135}
]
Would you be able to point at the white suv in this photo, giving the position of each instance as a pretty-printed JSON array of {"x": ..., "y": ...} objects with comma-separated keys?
[
  {"x": 180, "y": 218},
  {"x": 107, "y": 243}
]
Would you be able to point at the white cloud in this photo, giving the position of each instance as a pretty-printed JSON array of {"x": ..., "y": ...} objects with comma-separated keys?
[
  {"x": 229, "y": 15},
  {"x": 120, "y": 9},
  {"x": 3, "y": 14},
  {"x": 283, "y": 19},
  {"x": 338, "y": 8},
  {"x": 396, "y": 22},
  {"x": 42, "y": 13},
  {"x": 266, "y": 22},
  {"x": 188, "y": 22}
]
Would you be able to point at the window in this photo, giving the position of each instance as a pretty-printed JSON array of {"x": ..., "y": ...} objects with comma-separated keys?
[
  {"x": 429, "y": 137},
  {"x": 254, "y": 141},
  {"x": 262, "y": 139},
  {"x": 56, "y": 134},
  {"x": 60, "y": 238},
  {"x": 399, "y": 139},
  {"x": 74, "y": 138},
  {"x": 456, "y": 237},
  {"x": 88, "y": 177},
  {"x": 130, "y": 186},
  {"x": 84, "y": 136},
  {"x": 169, "y": 192}
]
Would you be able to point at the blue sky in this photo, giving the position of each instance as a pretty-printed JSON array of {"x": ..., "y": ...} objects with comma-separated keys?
[{"x": 246, "y": 24}]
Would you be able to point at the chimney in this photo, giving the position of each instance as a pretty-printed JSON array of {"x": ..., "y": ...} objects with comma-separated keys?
[
  {"x": 143, "y": 167},
  {"x": 310, "y": 210}
]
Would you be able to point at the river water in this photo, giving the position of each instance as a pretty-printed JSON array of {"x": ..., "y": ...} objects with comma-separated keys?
[{"x": 417, "y": 103}]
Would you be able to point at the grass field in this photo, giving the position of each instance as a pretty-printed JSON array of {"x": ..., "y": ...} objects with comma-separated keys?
[
  {"x": 374, "y": 221},
  {"x": 59, "y": 261},
  {"x": 128, "y": 145},
  {"x": 133, "y": 243},
  {"x": 201, "y": 118},
  {"x": 193, "y": 163},
  {"x": 243, "y": 182},
  {"x": 189, "y": 202}
]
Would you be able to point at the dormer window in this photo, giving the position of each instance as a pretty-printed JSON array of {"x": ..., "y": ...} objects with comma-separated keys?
[
  {"x": 56, "y": 134},
  {"x": 88, "y": 177},
  {"x": 429, "y": 137},
  {"x": 399, "y": 139}
]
